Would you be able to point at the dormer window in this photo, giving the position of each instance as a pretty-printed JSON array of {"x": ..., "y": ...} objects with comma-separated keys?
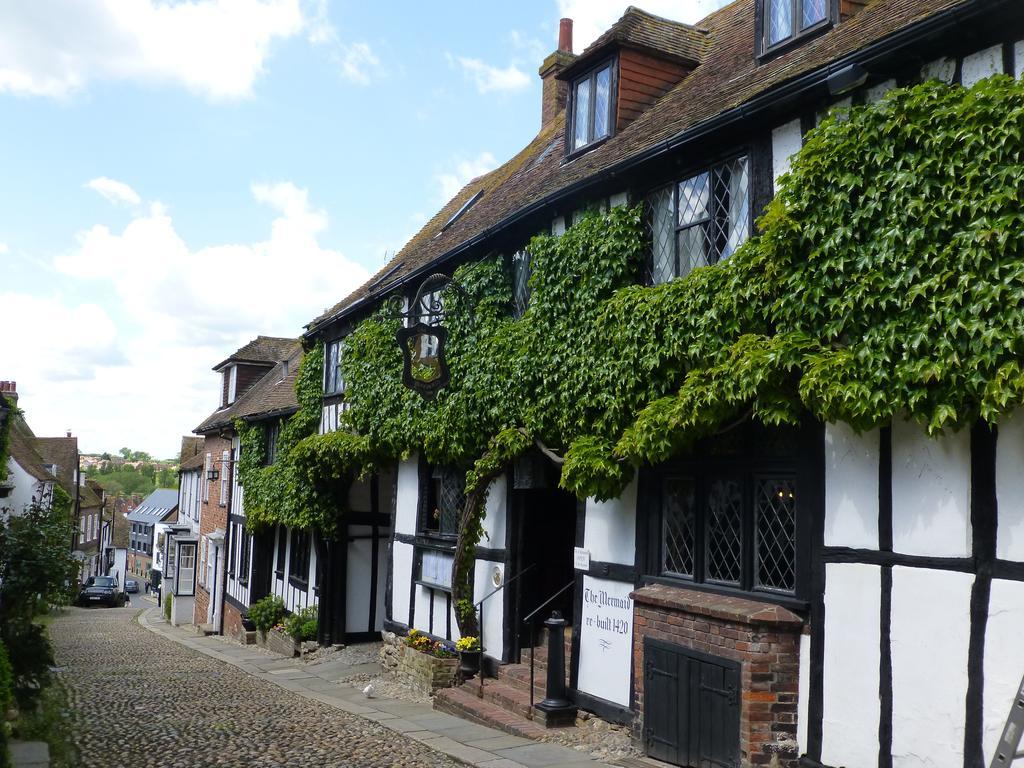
[
  {"x": 786, "y": 20},
  {"x": 592, "y": 105}
]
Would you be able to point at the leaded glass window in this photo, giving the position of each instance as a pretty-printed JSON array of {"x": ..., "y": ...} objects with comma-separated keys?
[
  {"x": 724, "y": 531},
  {"x": 775, "y": 508},
  {"x": 520, "y": 281},
  {"x": 699, "y": 221},
  {"x": 446, "y": 500},
  {"x": 592, "y": 102},
  {"x": 788, "y": 19},
  {"x": 333, "y": 382},
  {"x": 678, "y": 526}
]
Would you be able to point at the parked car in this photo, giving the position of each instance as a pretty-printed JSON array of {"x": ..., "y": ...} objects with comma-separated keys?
[
  {"x": 101, "y": 590},
  {"x": 131, "y": 586}
]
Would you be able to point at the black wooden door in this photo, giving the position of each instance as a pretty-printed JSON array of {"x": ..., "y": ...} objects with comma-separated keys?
[{"x": 691, "y": 707}]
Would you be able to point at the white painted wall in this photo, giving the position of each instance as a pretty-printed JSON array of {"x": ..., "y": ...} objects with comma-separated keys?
[
  {"x": 942, "y": 70},
  {"x": 851, "y": 487},
  {"x": 495, "y": 515},
  {"x": 851, "y": 706},
  {"x": 619, "y": 198},
  {"x": 804, "y": 693},
  {"x": 494, "y": 609},
  {"x": 877, "y": 92},
  {"x": 1004, "y": 662},
  {"x": 1018, "y": 58},
  {"x": 408, "y": 492},
  {"x": 981, "y": 65},
  {"x": 930, "y": 638},
  {"x": 786, "y": 141},
  {"x": 1010, "y": 488},
  {"x": 931, "y": 492},
  {"x": 357, "y": 580},
  {"x": 401, "y": 576},
  {"x": 610, "y": 531},
  {"x": 421, "y": 614},
  {"x": 558, "y": 226},
  {"x": 26, "y": 487}
]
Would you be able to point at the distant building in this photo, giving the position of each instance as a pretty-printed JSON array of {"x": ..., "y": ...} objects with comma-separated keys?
[{"x": 160, "y": 506}]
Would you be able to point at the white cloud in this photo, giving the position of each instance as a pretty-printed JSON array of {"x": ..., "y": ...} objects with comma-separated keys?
[
  {"x": 114, "y": 191},
  {"x": 123, "y": 354},
  {"x": 489, "y": 78},
  {"x": 592, "y": 17},
  {"x": 451, "y": 182},
  {"x": 213, "y": 47},
  {"x": 357, "y": 62},
  {"x": 4, "y": 248}
]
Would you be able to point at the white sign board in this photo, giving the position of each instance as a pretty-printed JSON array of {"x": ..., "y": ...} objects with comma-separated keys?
[
  {"x": 581, "y": 559},
  {"x": 606, "y": 640}
]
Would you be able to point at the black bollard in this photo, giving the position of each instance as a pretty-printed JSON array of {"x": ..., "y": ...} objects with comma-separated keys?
[{"x": 556, "y": 709}]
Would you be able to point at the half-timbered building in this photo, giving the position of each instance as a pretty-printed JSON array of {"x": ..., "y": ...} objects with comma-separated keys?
[{"x": 856, "y": 599}]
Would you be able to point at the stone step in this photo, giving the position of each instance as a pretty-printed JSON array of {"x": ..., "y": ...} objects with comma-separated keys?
[
  {"x": 518, "y": 676},
  {"x": 463, "y": 702}
]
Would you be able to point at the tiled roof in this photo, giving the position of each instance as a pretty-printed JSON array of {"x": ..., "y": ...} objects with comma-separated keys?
[
  {"x": 193, "y": 462},
  {"x": 62, "y": 451},
  {"x": 23, "y": 450},
  {"x": 273, "y": 393},
  {"x": 88, "y": 498},
  {"x": 262, "y": 349},
  {"x": 191, "y": 446},
  {"x": 728, "y": 77},
  {"x": 155, "y": 507},
  {"x": 645, "y": 31}
]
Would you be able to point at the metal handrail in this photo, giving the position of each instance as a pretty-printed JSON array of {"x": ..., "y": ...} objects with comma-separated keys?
[
  {"x": 533, "y": 643},
  {"x": 480, "y": 606}
]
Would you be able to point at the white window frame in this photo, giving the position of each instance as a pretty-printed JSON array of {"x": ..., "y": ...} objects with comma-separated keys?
[
  {"x": 334, "y": 382},
  {"x": 225, "y": 469},
  {"x": 204, "y": 480},
  {"x": 232, "y": 384}
]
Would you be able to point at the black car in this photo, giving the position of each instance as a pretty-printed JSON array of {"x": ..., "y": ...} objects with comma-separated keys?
[
  {"x": 131, "y": 586},
  {"x": 101, "y": 590}
]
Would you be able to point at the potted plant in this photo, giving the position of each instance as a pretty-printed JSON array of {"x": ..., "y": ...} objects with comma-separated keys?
[
  {"x": 265, "y": 614},
  {"x": 302, "y": 627},
  {"x": 469, "y": 656}
]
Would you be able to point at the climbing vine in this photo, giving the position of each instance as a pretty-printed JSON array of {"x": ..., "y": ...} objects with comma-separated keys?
[
  {"x": 5, "y": 435},
  {"x": 886, "y": 281}
]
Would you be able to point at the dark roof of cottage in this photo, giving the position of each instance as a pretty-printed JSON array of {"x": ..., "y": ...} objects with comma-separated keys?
[
  {"x": 62, "y": 451},
  {"x": 156, "y": 507},
  {"x": 263, "y": 350},
  {"x": 88, "y": 498},
  {"x": 22, "y": 448},
  {"x": 191, "y": 446},
  {"x": 273, "y": 393},
  {"x": 645, "y": 31},
  {"x": 729, "y": 76},
  {"x": 193, "y": 462}
]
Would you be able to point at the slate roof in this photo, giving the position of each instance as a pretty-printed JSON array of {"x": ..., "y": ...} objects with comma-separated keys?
[
  {"x": 646, "y": 32},
  {"x": 262, "y": 349},
  {"x": 274, "y": 393},
  {"x": 62, "y": 451},
  {"x": 727, "y": 78},
  {"x": 156, "y": 507}
]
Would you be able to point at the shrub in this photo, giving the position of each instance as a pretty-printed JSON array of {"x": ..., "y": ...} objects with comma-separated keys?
[
  {"x": 302, "y": 625},
  {"x": 6, "y": 698},
  {"x": 168, "y": 600},
  {"x": 267, "y": 612}
]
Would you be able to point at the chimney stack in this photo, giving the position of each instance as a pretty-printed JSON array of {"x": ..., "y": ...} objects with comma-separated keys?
[
  {"x": 9, "y": 390},
  {"x": 555, "y": 91}
]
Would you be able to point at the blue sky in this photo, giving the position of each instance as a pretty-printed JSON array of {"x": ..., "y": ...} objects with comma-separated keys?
[{"x": 180, "y": 177}]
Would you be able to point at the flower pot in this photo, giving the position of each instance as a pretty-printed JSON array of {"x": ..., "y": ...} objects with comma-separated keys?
[{"x": 469, "y": 664}]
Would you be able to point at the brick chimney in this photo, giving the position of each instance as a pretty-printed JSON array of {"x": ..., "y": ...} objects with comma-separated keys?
[
  {"x": 555, "y": 91},
  {"x": 9, "y": 389}
]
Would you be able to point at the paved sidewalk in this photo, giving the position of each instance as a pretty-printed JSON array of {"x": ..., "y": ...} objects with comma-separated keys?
[{"x": 464, "y": 741}]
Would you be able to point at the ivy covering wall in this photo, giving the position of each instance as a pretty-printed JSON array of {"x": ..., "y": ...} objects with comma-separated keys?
[{"x": 886, "y": 282}]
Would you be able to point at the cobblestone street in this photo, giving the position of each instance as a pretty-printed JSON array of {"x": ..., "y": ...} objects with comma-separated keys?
[{"x": 141, "y": 700}]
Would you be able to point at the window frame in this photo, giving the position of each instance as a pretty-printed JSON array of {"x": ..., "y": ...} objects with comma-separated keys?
[
  {"x": 299, "y": 542},
  {"x": 281, "y": 553},
  {"x": 432, "y": 478},
  {"x": 797, "y": 36},
  {"x": 750, "y": 467},
  {"x": 334, "y": 385},
  {"x": 273, "y": 436},
  {"x": 744, "y": 153},
  {"x": 611, "y": 63}
]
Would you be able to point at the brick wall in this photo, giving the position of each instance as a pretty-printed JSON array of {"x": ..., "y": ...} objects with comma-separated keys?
[
  {"x": 763, "y": 638},
  {"x": 233, "y": 623},
  {"x": 212, "y": 517}
]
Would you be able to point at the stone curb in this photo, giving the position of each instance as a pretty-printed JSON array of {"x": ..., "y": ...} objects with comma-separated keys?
[{"x": 461, "y": 740}]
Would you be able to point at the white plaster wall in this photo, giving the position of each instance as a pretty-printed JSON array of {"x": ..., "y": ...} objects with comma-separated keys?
[
  {"x": 1010, "y": 488},
  {"x": 24, "y": 486},
  {"x": 401, "y": 575},
  {"x": 1018, "y": 58},
  {"x": 931, "y": 492},
  {"x": 982, "y": 64},
  {"x": 786, "y": 141},
  {"x": 930, "y": 638},
  {"x": 942, "y": 70},
  {"x": 421, "y": 615},
  {"x": 804, "y": 693},
  {"x": 495, "y": 515},
  {"x": 851, "y": 487},
  {"x": 619, "y": 198},
  {"x": 494, "y": 608},
  {"x": 358, "y": 566},
  {"x": 610, "y": 530},
  {"x": 558, "y": 226},
  {"x": 877, "y": 92},
  {"x": 408, "y": 495},
  {"x": 851, "y": 705},
  {"x": 1004, "y": 662}
]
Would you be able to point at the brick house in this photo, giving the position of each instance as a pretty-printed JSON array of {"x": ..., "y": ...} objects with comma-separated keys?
[{"x": 726, "y": 621}]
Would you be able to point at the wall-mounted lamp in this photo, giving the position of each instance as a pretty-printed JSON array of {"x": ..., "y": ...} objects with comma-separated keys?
[{"x": 212, "y": 474}]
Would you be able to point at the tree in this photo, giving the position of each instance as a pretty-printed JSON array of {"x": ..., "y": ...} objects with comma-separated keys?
[{"x": 126, "y": 453}]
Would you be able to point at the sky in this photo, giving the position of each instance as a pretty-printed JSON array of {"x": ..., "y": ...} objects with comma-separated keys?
[{"x": 177, "y": 178}]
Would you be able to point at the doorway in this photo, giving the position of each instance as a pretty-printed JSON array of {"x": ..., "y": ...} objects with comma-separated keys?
[{"x": 545, "y": 538}]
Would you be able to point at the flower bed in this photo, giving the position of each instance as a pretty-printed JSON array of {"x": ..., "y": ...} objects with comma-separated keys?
[
  {"x": 422, "y": 664},
  {"x": 277, "y": 640}
]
